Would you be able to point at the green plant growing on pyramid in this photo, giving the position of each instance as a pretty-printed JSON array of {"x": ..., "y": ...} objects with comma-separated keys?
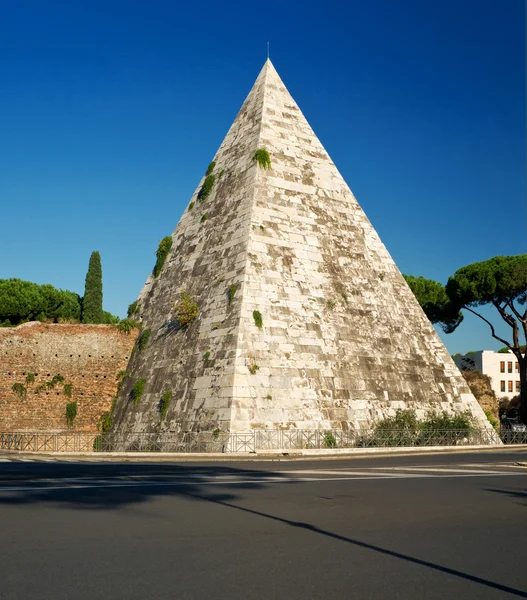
[{"x": 186, "y": 309}]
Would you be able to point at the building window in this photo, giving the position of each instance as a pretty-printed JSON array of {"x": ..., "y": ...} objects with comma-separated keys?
[
  {"x": 509, "y": 367},
  {"x": 517, "y": 368},
  {"x": 509, "y": 386},
  {"x": 502, "y": 367},
  {"x": 502, "y": 386},
  {"x": 517, "y": 386}
]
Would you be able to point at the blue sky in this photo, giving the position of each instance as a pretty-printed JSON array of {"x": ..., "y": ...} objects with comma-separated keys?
[{"x": 110, "y": 111}]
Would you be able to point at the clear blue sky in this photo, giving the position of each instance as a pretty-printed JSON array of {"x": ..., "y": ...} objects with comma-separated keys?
[{"x": 110, "y": 111}]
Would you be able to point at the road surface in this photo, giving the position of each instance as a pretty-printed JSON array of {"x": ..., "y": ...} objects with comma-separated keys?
[{"x": 401, "y": 527}]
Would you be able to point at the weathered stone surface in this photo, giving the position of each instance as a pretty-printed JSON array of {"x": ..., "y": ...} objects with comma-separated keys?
[
  {"x": 87, "y": 356},
  {"x": 343, "y": 343}
]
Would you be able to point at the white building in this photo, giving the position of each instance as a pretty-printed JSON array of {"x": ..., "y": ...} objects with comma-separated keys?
[{"x": 502, "y": 368}]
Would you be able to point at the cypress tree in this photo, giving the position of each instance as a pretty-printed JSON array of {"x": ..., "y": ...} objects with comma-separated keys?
[{"x": 92, "y": 311}]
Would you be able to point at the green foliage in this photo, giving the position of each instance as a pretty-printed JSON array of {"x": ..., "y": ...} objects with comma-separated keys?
[
  {"x": 127, "y": 325},
  {"x": 206, "y": 188},
  {"x": 92, "y": 311},
  {"x": 40, "y": 388},
  {"x": 506, "y": 349},
  {"x": 122, "y": 375},
  {"x": 216, "y": 433},
  {"x": 68, "y": 389},
  {"x": 268, "y": 397},
  {"x": 231, "y": 292},
  {"x": 331, "y": 303},
  {"x": 258, "y": 320},
  {"x": 71, "y": 413},
  {"x": 19, "y": 389},
  {"x": 329, "y": 440},
  {"x": 253, "y": 367},
  {"x": 56, "y": 379},
  {"x": 492, "y": 420},
  {"x": 204, "y": 217},
  {"x": 164, "y": 403},
  {"x": 434, "y": 300},
  {"x": 210, "y": 168},
  {"x": 206, "y": 356},
  {"x": 106, "y": 421},
  {"x": 161, "y": 254},
  {"x": 186, "y": 309},
  {"x": 138, "y": 390},
  {"x": 191, "y": 205},
  {"x": 262, "y": 158},
  {"x": 221, "y": 174},
  {"x": 22, "y": 301},
  {"x": 30, "y": 378},
  {"x": 109, "y": 319},
  {"x": 132, "y": 309},
  {"x": 500, "y": 282},
  {"x": 143, "y": 339}
]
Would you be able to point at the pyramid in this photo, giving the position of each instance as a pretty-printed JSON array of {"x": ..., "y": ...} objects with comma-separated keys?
[{"x": 319, "y": 332}]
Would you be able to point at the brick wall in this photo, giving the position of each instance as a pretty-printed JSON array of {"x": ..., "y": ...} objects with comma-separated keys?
[{"x": 87, "y": 356}]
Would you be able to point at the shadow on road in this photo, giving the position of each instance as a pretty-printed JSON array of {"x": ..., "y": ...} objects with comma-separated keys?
[
  {"x": 511, "y": 494},
  {"x": 103, "y": 489}
]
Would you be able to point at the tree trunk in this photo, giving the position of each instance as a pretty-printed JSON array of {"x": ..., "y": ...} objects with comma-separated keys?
[{"x": 523, "y": 387}]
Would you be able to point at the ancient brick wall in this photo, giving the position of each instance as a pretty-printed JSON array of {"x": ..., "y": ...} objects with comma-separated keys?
[{"x": 87, "y": 356}]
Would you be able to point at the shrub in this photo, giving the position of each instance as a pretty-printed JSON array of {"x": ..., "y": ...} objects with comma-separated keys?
[
  {"x": 109, "y": 319},
  {"x": 106, "y": 421},
  {"x": 68, "y": 389},
  {"x": 331, "y": 303},
  {"x": 138, "y": 390},
  {"x": 127, "y": 325},
  {"x": 56, "y": 379},
  {"x": 329, "y": 440},
  {"x": 164, "y": 403},
  {"x": 206, "y": 356},
  {"x": 122, "y": 375},
  {"x": 262, "y": 158},
  {"x": 204, "y": 217},
  {"x": 258, "y": 320},
  {"x": 132, "y": 309},
  {"x": 92, "y": 311},
  {"x": 221, "y": 174},
  {"x": 210, "y": 168},
  {"x": 492, "y": 420},
  {"x": 143, "y": 339},
  {"x": 206, "y": 188},
  {"x": 30, "y": 378},
  {"x": 216, "y": 433},
  {"x": 161, "y": 254},
  {"x": 186, "y": 309},
  {"x": 253, "y": 367},
  {"x": 231, "y": 293},
  {"x": 19, "y": 389},
  {"x": 71, "y": 413},
  {"x": 191, "y": 205}
]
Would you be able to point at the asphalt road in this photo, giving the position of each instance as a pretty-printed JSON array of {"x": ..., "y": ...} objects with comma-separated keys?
[{"x": 429, "y": 527}]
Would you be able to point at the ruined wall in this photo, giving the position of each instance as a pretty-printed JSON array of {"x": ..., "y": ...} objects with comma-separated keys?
[{"x": 87, "y": 356}]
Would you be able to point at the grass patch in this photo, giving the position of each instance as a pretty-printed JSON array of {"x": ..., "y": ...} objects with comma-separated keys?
[
  {"x": 231, "y": 292},
  {"x": 206, "y": 356},
  {"x": 143, "y": 339},
  {"x": 161, "y": 254},
  {"x": 19, "y": 389},
  {"x": 261, "y": 156},
  {"x": 210, "y": 168},
  {"x": 164, "y": 403},
  {"x": 68, "y": 389},
  {"x": 204, "y": 217},
  {"x": 258, "y": 319},
  {"x": 206, "y": 188},
  {"x": 191, "y": 205},
  {"x": 138, "y": 390},
  {"x": 71, "y": 413}
]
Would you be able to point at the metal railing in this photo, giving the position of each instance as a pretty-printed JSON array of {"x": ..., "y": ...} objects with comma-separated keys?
[{"x": 257, "y": 440}]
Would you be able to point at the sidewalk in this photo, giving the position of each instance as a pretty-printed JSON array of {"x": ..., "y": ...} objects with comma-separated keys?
[{"x": 267, "y": 455}]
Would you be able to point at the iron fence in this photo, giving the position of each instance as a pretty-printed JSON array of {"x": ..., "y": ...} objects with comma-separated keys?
[{"x": 257, "y": 440}]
